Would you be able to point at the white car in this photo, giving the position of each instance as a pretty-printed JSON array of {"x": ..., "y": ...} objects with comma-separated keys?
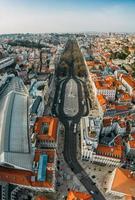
[
  {"x": 92, "y": 192},
  {"x": 59, "y": 101},
  {"x": 75, "y": 126}
]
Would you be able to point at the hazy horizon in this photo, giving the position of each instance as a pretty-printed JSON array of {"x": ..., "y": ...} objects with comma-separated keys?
[{"x": 32, "y": 16}]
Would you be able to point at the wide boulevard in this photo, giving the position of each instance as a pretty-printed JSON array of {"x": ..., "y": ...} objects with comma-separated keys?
[{"x": 70, "y": 104}]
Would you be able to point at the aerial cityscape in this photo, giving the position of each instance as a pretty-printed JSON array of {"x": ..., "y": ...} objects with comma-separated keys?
[{"x": 67, "y": 100}]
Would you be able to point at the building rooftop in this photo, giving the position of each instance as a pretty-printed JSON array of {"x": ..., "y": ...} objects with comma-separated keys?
[
  {"x": 107, "y": 84},
  {"x": 102, "y": 100},
  {"x": 46, "y": 128},
  {"x": 131, "y": 144},
  {"x": 124, "y": 182},
  {"x": 25, "y": 178},
  {"x": 118, "y": 140},
  {"x": 41, "y": 175},
  {"x": 122, "y": 107},
  {"x": 15, "y": 84},
  {"x": 124, "y": 97},
  {"x": 110, "y": 151},
  {"x": 90, "y": 129},
  {"x": 132, "y": 136},
  {"x": 5, "y": 62},
  {"x": 129, "y": 80},
  {"x": 122, "y": 124},
  {"x": 49, "y": 152},
  {"x": 74, "y": 195},
  {"x": 107, "y": 121},
  {"x": 15, "y": 148},
  {"x": 35, "y": 105},
  {"x": 129, "y": 198}
]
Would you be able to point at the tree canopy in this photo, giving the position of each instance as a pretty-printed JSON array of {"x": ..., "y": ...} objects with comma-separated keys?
[{"x": 72, "y": 56}]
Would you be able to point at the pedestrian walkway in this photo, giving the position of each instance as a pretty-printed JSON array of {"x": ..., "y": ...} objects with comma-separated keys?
[{"x": 71, "y": 106}]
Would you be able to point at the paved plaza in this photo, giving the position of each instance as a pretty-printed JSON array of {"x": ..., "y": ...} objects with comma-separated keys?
[{"x": 71, "y": 106}]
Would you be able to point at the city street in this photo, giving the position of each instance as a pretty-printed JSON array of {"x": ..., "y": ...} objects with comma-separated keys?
[
  {"x": 70, "y": 122},
  {"x": 67, "y": 100}
]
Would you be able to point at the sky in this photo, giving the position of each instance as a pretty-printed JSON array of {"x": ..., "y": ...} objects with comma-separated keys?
[{"x": 40, "y": 16}]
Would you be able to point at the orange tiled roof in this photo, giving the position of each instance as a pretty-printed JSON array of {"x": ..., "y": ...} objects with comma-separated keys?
[
  {"x": 74, "y": 195},
  {"x": 107, "y": 121},
  {"x": 121, "y": 107},
  {"x": 90, "y": 63},
  {"x": 23, "y": 177},
  {"x": 124, "y": 182},
  {"x": 131, "y": 48},
  {"x": 129, "y": 198},
  {"x": 122, "y": 124},
  {"x": 52, "y": 130},
  {"x": 110, "y": 79},
  {"x": 129, "y": 80},
  {"x": 116, "y": 118},
  {"x": 115, "y": 151},
  {"x": 131, "y": 144},
  {"x": 133, "y": 136},
  {"x": 104, "y": 84},
  {"x": 125, "y": 97},
  {"x": 118, "y": 140},
  {"x": 118, "y": 83},
  {"x": 102, "y": 100}
]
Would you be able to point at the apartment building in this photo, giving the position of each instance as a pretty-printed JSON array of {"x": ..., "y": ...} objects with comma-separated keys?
[
  {"x": 128, "y": 82},
  {"x": 90, "y": 130}
]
